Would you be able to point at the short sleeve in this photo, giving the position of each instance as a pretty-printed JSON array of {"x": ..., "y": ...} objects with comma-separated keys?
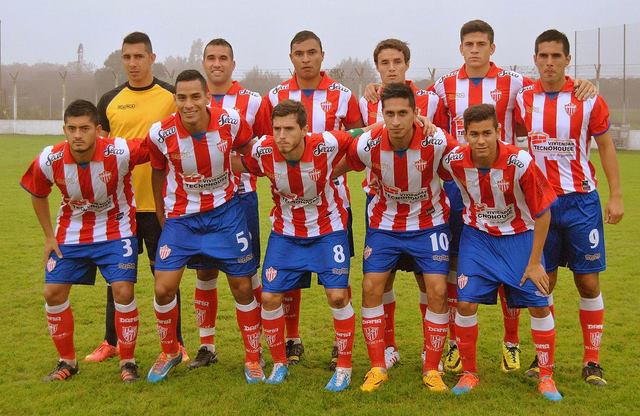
[
  {"x": 599, "y": 120},
  {"x": 35, "y": 182},
  {"x": 353, "y": 112},
  {"x": 139, "y": 151},
  {"x": 156, "y": 157},
  {"x": 353, "y": 158}
]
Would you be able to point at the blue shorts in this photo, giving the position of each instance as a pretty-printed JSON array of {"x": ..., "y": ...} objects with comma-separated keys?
[
  {"x": 220, "y": 234},
  {"x": 487, "y": 261},
  {"x": 290, "y": 260},
  {"x": 116, "y": 259},
  {"x": 576, "y": 234},
  {"x": 455, "y": 215},
  {"x": 429, "y": 250},
  {"x": 249, "y": 205}
]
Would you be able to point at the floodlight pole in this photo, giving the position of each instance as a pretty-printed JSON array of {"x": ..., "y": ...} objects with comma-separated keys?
[
  {"x": 63, "y": 77},
  {"x": 624, "y": 74},
  {"x": 14, "y": 77}
]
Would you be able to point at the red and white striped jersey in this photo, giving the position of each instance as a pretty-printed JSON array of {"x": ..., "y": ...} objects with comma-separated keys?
[
  {"x": 560, "y": 129},
  {"x": 97, "y": 198},
  {"x": 428, "y": 104},
  {"x": 409, "y": 196},
  {"x": 329, "y": 107},
  {"x": 248, "y": 104},
  {"x": 498, "y": 88},
  {"x": 306, "y": 200},
  {"x": 504, "y": 199},
  {"x": 199, "y": 176}
]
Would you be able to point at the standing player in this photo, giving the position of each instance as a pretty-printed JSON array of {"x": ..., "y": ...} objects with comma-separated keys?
[
  {"x": 407, "y": 215},
  {"x": 560, "y": 130},
  {"x": 391, "y": 57},
  {"x": 95, "y": 228},
  {"x": 308, "y": 230},
  {"x": 218, "y": 65},
  {"x": 190, "y": 156},
  {"x": 506, "y": 216},
  {"x": 128, "y": 111},
  {"x": 329, "y": 106}
]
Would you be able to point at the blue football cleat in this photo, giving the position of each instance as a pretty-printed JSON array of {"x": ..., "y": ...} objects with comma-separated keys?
[
  {"x": 253, "y": 372},
  {"x": 162, "y": 366},
  {"x": 278, "y": 374},
  {"x": 340, "y": 380}
]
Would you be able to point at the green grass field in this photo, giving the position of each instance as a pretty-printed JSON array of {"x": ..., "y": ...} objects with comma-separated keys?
[{"x": 27, "y": 353}]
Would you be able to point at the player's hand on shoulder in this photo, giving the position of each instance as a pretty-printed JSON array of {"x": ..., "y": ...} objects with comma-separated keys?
[
  {"x": 50, "y": 244},
  {"x": 428, "y": 128},
  {"x": 372, "y": 92},
  {"x": 584, "y": 89},
  {"x": 614, "y": 211},
  {"x": 537, "y": 274}
]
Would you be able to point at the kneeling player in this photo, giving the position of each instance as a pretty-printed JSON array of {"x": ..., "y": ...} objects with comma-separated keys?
[
  {"x": 308, "y": 230},
  {"x": 96, "y": 228},
  {"x": 190, "y": 156},
  {"x": 407, "y": 216},
  {"x": 506, "y": 215}
]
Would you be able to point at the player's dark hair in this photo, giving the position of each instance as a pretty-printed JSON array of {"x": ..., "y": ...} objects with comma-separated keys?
[
  {"x": 79, "y": 108},
  {"x": 478, "y": 113},
  {"x": 474, "y": 26},
  {"x": 392, "y": 44},
  {"x": 286, "y": 107},
  {"x": 191, "y": 75},
  {"x": 217, "y": 42},
  {"x": 138, "y": 37},
  {"x": 398, "y": 90},
  {"x": 302, "y": 36},
  {"x": 553, "y": 35}
]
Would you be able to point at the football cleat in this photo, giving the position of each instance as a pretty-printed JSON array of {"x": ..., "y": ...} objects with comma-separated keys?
[
  {"x": 593, "y": 374},
  {"x": 334, "y": 359},
  {"x": 391, "y": 356},
  {"x": 533, "y": 371},
  {"x": 253, "y": 373},
  {"x": 547, "y": 387},
  {"x": 294, "y": 352},
  {"x": 185, "y": 356},
  {"x": 452, "y": 362},
  {"x": 63, "y": 371},
  {"x": 162, "y": 366},
  {"x": 510, "y": 358},
  {"x": 204, "y": 358},
  {"x": 129, "y": 372},
  {"x": 374, "y": 379},
  {"x": 467, "y": 382},
  {"x": 433, "y": 381},
  {"x": 340, "y": 380},
  {"x": 103, "y": 352},
  {"x": 279, "y": 373}
]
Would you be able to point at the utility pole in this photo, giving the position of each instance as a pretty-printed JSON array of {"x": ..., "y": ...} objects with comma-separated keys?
[
  {"x": 14, "y": 77},
  {"x": 63, "y": 77}
]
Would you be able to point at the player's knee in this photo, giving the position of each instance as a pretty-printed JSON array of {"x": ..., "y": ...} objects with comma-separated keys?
[
  {"x": 54, "y": 296},
  {"x": 207, "y": 275},
  {"x": 338, "y": 298},
  {"x": 123, "y": 292},
  {"x": 539, "y": 311},
  {"x": 588, "y": 286},
  {"x": 466, "y": 308},
  {"x": 271, "y": 301},
  {"x": 164, "y": 292},
  {"x": 241, "y": 289}
]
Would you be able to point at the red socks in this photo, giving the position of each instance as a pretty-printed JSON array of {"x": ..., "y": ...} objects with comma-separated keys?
[
  {"x": 544, "y": 337},
  {"x": 60, "y": 323},
  {"x": 344, "y": 323},
  {"x": 273, "y": 328},
  {"x": 467, "y": 338},
  {"x": 592, "y": 322},
  {"x": 126, "y": 322},
  {"x": 389, "y": 306},
  {"x": 206, "y": 306},
  {"x": 373, "y": 330},
  {"x": 511, "y": 317},
  {"x": 291, "y": 306},
  {"x": 167, "y": 320},
  {"x": 248, "y": 317},
  {"x": 436, "y": 327}
]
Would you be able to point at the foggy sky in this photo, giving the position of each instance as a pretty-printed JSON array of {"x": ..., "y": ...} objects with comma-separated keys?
[{"x": 260, "y": 31}]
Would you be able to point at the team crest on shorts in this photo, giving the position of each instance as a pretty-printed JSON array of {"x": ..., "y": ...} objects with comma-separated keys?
[
  {"x": 367, "y": 252},
  {"x": 543, "y": 358},
  {"x": 51, "y": 264},
  {"x": 462, "y": 281},
  {"x": 371, "y": 333},
  {"x": 596, "y": 338},
  {"x": 326, "y": 106},
  {"x": 496, "y": 95},
  {"x": 420, "y": 164},
  {"x": 503, "y": 185},
  {"x": 164, "y": 252},
  {"x": 315, "y": 175},
  {"x": 129, "y": 333},
  {"x": 222, "y": 145},
  {"x": 270, "y": 274},
  {"x": 570, "y": 109},
  {"x": 105, "y": 176}
]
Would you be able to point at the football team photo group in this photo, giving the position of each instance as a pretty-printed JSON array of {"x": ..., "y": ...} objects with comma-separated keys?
[{"x": 171, "y": 172}]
